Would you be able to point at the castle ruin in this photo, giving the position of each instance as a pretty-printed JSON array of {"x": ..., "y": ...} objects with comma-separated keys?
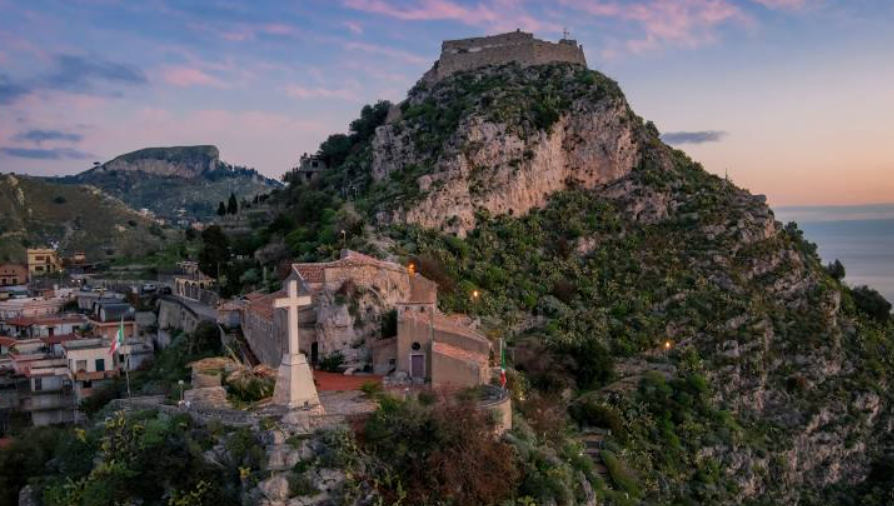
[{"x": 518, "y": 46}]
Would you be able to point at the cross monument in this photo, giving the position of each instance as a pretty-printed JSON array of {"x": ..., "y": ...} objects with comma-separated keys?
[{"x": 294, "y": 381}]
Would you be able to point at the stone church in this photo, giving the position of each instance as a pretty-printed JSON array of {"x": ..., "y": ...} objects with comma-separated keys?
[{"x": 353, "y": 297}]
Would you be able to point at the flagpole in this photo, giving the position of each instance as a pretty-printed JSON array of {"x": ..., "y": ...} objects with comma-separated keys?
[{"x": 127, "y": 373}]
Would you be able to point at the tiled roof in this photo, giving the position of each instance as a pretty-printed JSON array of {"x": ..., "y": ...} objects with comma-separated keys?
[
  {"x": 454, "y": 324},
  {"x": 20, "y": 322},
  {"x": 458, "y": 353},
  {"x": 59, "y": 320},
  {"x": 262, "y": 304},
  {"x": 315, "y": 272},
  {"x": 7, "y": 341}
]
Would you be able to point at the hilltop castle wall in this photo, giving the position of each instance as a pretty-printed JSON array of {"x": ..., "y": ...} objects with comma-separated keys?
[{"x": 521, "y": 47}]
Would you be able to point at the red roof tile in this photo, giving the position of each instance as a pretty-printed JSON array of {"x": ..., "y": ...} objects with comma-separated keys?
[
  {"x": 7, "y": 341},
  {"x": 20, "y": 322}
]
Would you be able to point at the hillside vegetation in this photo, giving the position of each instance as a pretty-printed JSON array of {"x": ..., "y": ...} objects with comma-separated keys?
[
  {"x": 649, "y": 296},
  {"x": 37, "y": 213}
]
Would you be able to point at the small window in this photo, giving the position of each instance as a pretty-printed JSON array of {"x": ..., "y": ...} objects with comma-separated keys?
[
  {"x": 38, "y": 384},
  {"x": 100, "y": 364},
  {"x": 81, "y": 365}
]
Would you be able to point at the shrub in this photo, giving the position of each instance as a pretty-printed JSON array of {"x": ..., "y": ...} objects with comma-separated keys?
[
  {"x": 332, "y": 362},
  {"x": 622, "y": 477},
  {"x": 444, "y": 453},
  {"x": 589, "y": 413},
  {"x": 389, "y": 324}
]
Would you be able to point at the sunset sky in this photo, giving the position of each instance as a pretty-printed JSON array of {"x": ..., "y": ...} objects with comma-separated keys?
[{"x": 794, "y": 98}]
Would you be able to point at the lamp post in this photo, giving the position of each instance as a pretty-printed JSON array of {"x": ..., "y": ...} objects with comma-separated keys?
[{"x": 180, "y": 383}]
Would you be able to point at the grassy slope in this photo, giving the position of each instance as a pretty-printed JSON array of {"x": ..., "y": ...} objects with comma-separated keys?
[{"x": 77, "y": 217}]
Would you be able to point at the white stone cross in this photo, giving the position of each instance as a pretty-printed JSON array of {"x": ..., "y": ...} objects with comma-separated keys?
[
  {"x": 292, "y": 302},
  {"x": 294, "y": 379}
]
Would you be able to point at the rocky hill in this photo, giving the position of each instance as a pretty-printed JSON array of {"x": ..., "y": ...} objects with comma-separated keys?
[
  {"x": 175, "y": 183},
  {"x": 34, "y": 212},
  {"x": 651, "y": 297}
]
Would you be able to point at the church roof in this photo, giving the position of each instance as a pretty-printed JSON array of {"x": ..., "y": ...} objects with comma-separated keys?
[
  {"x": 261, "y": 304},
  {"x": 458, "y": 353},
  {"x": 316, "y": 272},
  {"x": 455, "y": 324}
]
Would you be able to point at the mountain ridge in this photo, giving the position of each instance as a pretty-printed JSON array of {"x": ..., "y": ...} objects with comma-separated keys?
[{"x": 181, "y": 184}]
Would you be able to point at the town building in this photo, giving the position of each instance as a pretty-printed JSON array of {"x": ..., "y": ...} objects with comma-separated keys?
[
  {"x": 43, "y": 261},
  {"x": 13, "y": 274},
  {"x": 88, "y": 298},
  {"x": 107, "y": 318},
  {"x": 44, "y": 389},
  {"x": 44, "y": 326},
  {"x": 309, "y": 168},
  {"x": 29, "y": 307},
  {"x": 89, "y": 366}
]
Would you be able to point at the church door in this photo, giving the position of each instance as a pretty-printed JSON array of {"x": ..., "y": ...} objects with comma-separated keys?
[
  {"x": 417, "y": 365},
  {"x": 314, "y": 353}
]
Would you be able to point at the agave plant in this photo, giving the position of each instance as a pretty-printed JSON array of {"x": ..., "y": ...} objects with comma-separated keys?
[{"x": 248, "y": 383}]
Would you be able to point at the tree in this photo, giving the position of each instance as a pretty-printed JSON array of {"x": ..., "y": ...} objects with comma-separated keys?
[
  {"x": 215, "y": 252},
  {"x": 836, "y": 270},
  {"x": 233, "y": 206},
  {"x": 221, "y": 209},
  {"x": 872, "y": 303}
]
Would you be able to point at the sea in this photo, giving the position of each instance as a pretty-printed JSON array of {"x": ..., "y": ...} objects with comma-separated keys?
[{"x": 862, "y": 237}]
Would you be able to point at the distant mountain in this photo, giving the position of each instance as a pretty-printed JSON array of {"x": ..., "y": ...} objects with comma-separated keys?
[
  {"x": 35, "y": 212},
  {"x": 175, "y": 183}
]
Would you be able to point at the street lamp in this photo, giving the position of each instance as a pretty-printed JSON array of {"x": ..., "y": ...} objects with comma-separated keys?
[
  {"x": 180, "y": 383},
  {"x": 667, "y": 345},
  {"x": 475, "y": 294}
]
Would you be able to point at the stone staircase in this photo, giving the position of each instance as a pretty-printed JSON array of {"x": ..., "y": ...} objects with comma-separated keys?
[
  {"x": 594, "y": 443},
  {"x": 208, "y": 397}
]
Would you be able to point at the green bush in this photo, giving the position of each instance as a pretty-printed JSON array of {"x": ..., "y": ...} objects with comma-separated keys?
[{"x": 332, "y": 362}]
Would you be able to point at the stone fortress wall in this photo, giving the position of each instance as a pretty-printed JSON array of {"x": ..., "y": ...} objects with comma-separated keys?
[{"x": 468, "y": 54}]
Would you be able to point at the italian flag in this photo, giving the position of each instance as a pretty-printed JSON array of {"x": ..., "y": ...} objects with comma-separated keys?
[
  {"x": 502, "y": 365},
  {"x": 119, "y": 338}
]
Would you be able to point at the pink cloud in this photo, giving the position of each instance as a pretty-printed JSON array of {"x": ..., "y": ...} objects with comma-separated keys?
[
  {"x": 782, "y": 4},
  {"x": 686, "y": 23},
  {"x": 244, "y": 32},
  {"x": 187, "y": 77},
  {"x": 496, "y": 15},
  {"x": 396, "y": 54},
  {"x": 354, "y": 27},
  {"x": 305, "y": 93}
]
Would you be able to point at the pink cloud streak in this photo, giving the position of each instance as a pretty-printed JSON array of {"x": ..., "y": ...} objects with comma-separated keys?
[{"x": 187, "y": 77}]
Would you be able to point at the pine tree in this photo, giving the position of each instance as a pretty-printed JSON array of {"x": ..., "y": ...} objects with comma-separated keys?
[
  {"x": 233, "y": 206},
  {"x": 221, "y": 209}
]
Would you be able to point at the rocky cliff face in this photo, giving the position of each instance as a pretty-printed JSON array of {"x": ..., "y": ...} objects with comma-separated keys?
[
  {"x": 183, "y": 162},
  {"x": 497, "y": 159},
  {"x": 176, "y": 183}
]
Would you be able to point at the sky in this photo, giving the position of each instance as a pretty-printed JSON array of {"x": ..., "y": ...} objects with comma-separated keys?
[{"x": 791, "y": 98}]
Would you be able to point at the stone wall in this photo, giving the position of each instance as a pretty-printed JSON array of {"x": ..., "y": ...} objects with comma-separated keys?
[{"x": 520, "y": 47}]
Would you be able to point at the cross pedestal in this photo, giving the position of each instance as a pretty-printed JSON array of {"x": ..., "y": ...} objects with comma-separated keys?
[{"x": 294, "y": 381}]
